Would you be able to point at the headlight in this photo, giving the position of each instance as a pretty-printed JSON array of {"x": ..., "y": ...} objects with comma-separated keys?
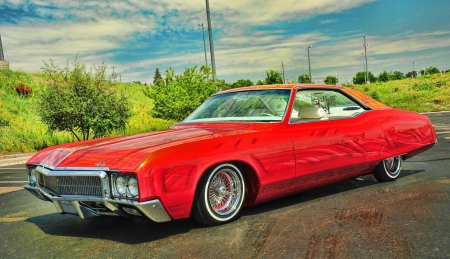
[
  {"x": 121, "y": 185},
  {"x": 133, "y": 186},
  {"x": 124, "y": 186}
]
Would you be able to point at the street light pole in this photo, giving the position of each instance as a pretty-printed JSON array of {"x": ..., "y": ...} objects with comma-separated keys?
[
  {"x": 365, "y": 55},
  {"x": 204, "y": 44},
  {"x": 309, "y": 64},
  {"x": 364, "y": 65},
  {"x": 211, "y": 45}
]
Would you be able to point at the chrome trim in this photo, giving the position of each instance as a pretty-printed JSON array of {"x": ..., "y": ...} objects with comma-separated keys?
[
  {"x": 54, "y": 168},
  {"x": 152, "y": 209},
  {"x": 66, "y": 172}
]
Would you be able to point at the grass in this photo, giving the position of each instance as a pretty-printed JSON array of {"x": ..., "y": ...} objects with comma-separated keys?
[
  {"x": 22, "y": 131},
  {"x": 429, "y": 93}
]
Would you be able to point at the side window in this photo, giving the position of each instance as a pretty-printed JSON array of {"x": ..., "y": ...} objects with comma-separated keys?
[{"x": 314, "y": 105}]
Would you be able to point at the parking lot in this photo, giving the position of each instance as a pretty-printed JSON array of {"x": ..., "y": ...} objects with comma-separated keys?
[{"x": 408, "y": 218}]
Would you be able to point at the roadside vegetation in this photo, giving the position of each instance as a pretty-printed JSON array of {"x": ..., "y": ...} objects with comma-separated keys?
[
  {"x": 427, "y": 93},
  {"x": 23, "y": 130}
]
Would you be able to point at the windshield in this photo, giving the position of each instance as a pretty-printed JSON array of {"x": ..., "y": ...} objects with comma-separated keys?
[{"x": 253, "y": 105}]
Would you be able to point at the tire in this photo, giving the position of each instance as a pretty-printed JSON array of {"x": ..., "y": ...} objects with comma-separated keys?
[
  {"x": 220, "y": 195},
  {"x": 388, "y": 170}
]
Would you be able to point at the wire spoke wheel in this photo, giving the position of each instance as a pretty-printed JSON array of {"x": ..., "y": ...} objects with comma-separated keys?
[
  {"x": 388, "y": 170},
  {"x": 224, "y": 192},
  {"x": 221, "y": 195},
  {"x": 392, "y": 165}
]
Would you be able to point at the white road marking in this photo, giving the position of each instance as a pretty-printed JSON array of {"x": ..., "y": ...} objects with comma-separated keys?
[{"x": 442, "y": 132}]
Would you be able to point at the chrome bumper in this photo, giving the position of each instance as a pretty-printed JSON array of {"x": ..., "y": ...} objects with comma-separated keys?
[{"x": 71, "y": 204}]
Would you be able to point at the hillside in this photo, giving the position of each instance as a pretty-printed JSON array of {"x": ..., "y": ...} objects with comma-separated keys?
[
  {"x": 22, "y": 131},
  {"x": 427, "y": 93}
]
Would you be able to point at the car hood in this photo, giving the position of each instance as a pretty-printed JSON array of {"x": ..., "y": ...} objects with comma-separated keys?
[{"x": 126, "y": 153}]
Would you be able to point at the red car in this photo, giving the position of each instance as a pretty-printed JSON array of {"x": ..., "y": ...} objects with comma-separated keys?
[{"x": 240, "y": 148}]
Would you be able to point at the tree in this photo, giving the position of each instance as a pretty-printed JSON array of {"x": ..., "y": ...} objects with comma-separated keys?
[
  {"x": 81, "y": 102},
  {"x": 411, "y": 74},
  {"x": 183, "y": 93},
  {"x": 360, "y": 78},
  {"x": 241, "y": 83},
  {"x": 331, "y": 80},
  {"x": 273, "y": 77},
  {"x": 261, "y": 82},
  {"x": 157, "y": 79},
  {"x": 432, "y": 70},
  {"x": 304, "y": 79},
  {"x": 397, "y": 75},
  {"x": 384, "y": 76}
]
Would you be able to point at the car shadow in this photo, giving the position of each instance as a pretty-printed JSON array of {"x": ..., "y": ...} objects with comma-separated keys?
[
  {"x": 139, "y": 230},
  {"x": 320, "y": 192}
]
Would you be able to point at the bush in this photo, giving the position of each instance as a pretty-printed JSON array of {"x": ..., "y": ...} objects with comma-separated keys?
[
  {"x": 81, "y": 101},
  {"x": 180, "y": 95},
  {"x": 24, "y": 90},
  {"x": 360, "y": 78},
  {"x": 432, "y": 70},
  {"x": 331, "y": 80},
  {"x": 384, "y": 76}
]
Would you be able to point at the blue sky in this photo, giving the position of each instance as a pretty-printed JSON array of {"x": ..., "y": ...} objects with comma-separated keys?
[{"x": 250, "y": 36}]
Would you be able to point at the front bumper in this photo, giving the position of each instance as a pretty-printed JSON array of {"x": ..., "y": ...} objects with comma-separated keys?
[{"x": 87, "y": 206}]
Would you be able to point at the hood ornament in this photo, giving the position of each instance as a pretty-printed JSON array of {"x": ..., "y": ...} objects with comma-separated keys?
[{"x": 100, "y": 164}]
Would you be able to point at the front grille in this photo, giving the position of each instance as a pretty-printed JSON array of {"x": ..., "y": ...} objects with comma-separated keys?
[{"x": 72, "y": 185}]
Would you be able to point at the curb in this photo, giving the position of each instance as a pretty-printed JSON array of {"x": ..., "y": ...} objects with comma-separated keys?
[
  {"x": 15, "y": 159},
  {"x": 436, "y": 112}
]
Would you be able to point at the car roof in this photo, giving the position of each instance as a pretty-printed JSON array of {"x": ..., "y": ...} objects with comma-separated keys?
[{"x": 283, "y": 86}]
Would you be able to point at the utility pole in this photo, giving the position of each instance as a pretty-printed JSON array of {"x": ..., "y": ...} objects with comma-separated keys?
[
  {"x": 309, "y": 64},
  {"x": 365, "y": 55},
  {"x": 204, "y": 44},
  {"x": 211, "y": 45},
  {"x": 2, "y": 57},
  {"x": 282, "y": 67},
  {"x": 364, "y": 65}
]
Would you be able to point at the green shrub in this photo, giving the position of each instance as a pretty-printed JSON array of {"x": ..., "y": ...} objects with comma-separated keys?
[
  {"x": 82, "y": 102},
  {"x": 180, "y": 95}
]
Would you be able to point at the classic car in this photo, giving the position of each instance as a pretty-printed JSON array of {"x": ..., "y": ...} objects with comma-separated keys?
[{"x": 240, "y": 148}]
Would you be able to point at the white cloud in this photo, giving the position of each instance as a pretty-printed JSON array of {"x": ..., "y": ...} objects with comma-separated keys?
[{"x": 97, "y": 27}]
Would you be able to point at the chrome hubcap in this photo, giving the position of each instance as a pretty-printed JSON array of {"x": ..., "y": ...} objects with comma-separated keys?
[
  {"x": 392, "y": 165},
  {"x": 224, "y": 192}
]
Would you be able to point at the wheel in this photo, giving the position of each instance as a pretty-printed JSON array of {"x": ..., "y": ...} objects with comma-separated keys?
[
  {"x": 219, "y": 196},
  {"x": 388, "y": 170}
]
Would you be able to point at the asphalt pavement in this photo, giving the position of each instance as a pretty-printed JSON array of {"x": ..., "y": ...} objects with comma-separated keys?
[{"x": 407, "y": 218}]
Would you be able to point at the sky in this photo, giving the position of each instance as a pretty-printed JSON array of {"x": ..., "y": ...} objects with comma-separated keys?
[{"x": 250, "y": 36}]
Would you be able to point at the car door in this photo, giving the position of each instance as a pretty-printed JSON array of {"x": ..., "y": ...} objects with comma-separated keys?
[{"x": 327, "y": 135}]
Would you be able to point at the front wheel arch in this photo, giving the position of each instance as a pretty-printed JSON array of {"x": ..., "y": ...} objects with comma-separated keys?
[{"x": 220, "y": 194}]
